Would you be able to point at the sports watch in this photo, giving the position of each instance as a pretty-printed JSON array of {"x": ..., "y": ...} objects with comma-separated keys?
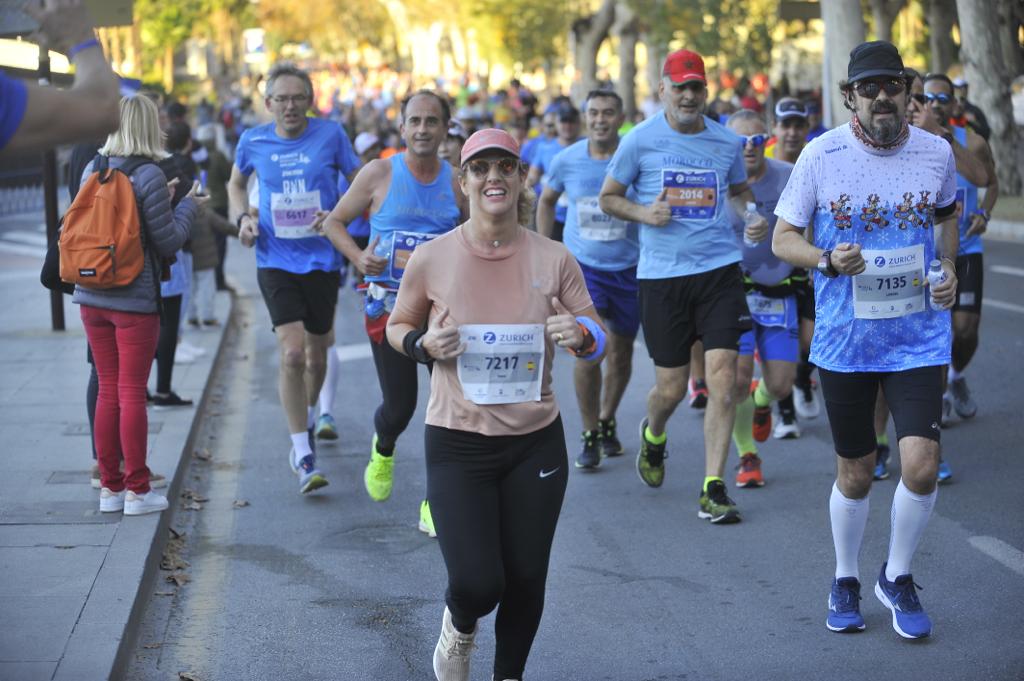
[{"x": 825, "y": 267}]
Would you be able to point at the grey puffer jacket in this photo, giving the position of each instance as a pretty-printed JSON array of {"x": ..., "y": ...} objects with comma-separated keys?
[{"x": 166, "y": 230}]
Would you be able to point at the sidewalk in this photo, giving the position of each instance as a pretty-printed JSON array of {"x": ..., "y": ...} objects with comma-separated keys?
[{"x": 70, "y": 577}]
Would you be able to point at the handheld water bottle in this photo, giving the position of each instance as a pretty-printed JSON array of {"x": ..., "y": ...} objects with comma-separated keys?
[
  {"x": 936, "y": 275},
  {"x": 749, "y": 218}
]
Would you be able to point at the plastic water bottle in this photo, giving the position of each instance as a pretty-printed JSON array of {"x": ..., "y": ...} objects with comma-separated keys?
[
  {"x": 374, "y": 306},
  {"x": 749, "y": 218},
  {"x": 936, "y": 275}
]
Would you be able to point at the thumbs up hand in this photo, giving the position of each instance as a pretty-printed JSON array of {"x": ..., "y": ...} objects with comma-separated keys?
[
  {"x": 562, "y": 328},
  {"x": 659, "y": 213},
  {"x": 442, "y": 341}
]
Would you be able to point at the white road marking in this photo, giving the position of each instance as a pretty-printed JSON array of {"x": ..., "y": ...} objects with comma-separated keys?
[
  {"x": 21, "y": 236},
  {"x": 1000, "y": 551},
  {"x": 22, "y": 249},
  {"x": 353, "y": 351},
  {"x": 1003, "y": 306},
  {"x": 1003, "y": 269}
]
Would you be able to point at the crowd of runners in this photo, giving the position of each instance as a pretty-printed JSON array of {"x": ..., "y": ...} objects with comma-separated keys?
[{"x": 753, "y": 250}]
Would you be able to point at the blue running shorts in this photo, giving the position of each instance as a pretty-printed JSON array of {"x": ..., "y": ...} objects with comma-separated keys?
[
  {"x": 778, "y": 341},
  {"x": 615, "y": 298}
]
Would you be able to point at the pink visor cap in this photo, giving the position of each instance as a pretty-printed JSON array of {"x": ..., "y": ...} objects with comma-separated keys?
[{"x": 489, "y": 138}]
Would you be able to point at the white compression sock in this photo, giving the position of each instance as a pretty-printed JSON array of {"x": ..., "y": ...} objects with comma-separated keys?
[
  {"x": 330, "y": 386},
  {"x": 910, "y": 514},
  {"x": 849, "y": 518},
  {"x": 300, "y": 442}
]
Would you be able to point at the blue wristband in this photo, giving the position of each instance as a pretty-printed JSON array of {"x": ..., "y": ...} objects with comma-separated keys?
[
  {"x": 80, "y": 47},
  {"x": 597, "y": 332}
]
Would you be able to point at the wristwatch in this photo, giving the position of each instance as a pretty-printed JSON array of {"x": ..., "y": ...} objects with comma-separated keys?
[
  {"x": 825, "y": 267},
  {"x": 238, "y": 220}
]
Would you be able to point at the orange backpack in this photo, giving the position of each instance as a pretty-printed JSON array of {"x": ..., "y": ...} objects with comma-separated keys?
[{"x": 101, "y": 244}]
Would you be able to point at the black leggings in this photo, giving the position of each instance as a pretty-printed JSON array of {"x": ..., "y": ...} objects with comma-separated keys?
[
  {"x": 397, "y": 375},
  {"x": 495, "y": 501},
  {"x": 92, "y": 392},
  {"x": 170, "y": 320}
]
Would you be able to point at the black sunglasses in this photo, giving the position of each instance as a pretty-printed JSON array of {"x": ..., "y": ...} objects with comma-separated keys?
[
  {"x": 919, "y": 98},
  {"x": 871, "y": 88}
]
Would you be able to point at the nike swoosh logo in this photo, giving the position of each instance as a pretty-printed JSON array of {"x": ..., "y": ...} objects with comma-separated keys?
[{"x": 545, "y": 474}]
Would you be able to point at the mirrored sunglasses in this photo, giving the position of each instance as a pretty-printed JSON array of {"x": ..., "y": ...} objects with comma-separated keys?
[
  {"x": 754, "y": 140},
  {"x": 940, "y": 97},
  {"x": 479, "y": 168}
]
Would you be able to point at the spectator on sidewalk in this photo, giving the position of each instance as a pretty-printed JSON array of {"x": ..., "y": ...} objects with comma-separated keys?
[
  {"x": 218, "y": 171},
  {"x": 208, "y": 227}
]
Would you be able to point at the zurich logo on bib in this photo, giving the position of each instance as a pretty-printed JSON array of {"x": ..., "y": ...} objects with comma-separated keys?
[
  {"x": 879, "y": 261},
  {"x": 489, "y": 337}
]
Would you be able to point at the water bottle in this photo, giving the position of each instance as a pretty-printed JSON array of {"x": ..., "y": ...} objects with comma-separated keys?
[
  {"x": 749, "y": 218},
  {"x": 383, "y": 250},
  {"x": 374, "y": 306},
  {"x": 936, "y": 275}
]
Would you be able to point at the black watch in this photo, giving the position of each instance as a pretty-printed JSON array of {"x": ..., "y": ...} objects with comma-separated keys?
[
  {"x": 825, "y": 267},
  {"x": 238, "y": 220}
]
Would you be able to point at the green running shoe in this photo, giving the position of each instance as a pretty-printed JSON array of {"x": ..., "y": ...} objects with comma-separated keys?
[
  {"x": 380, "y": 474},
  {"x": 326, "y": 428},
  {"x": 650, "y": 462},
  {"x": 426, "y": 525},
  {"x": 716, "y": 506}
]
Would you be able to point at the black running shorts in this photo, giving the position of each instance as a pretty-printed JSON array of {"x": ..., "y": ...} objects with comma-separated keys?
[
  {"x": 914, "y": 397},
  {"x": 803, "y": 286},
  {"x": 308, "y": 298},
  {"x": 970, "y": 275},
  {"x": 710, "y": 306}
]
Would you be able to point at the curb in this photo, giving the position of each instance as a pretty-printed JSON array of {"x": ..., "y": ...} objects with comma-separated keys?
[{"x": 111, "y": 617}]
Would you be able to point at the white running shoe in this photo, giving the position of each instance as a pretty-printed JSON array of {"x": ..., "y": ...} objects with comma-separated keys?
[
  {"x": 786, "y": 429},
  {"x": 806, "y": 403},
  {"x": 183, "y": 356},
  {"x": 140, "y": 504},
  {"x": 193, "y": 350},
  {"x": 111, "y": 502},
  {"x": 451, "y": 654}
]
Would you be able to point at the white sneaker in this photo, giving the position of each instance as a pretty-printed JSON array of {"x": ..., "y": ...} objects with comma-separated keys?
[
  {"x": 451, "y": 655},
  {"x": 140, "y": 504},
  {"x": 786, "y": 430},
  {"x": 806, "y": 403},
  {"x": 193, "y": 350},
  {"x": 183, "y": 356},
  {"x": 111, "y": 502}
]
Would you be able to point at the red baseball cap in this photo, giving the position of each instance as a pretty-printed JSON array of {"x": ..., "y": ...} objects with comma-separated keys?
[
  {"x": 489, "y": 138},
  {"x": 683, "y": 66}
]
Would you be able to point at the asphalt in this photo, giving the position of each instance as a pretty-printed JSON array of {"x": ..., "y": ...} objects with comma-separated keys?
[{"x": 74, "y": 583}]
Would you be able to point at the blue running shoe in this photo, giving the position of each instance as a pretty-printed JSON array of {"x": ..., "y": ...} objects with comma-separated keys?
[
  {"x": 882, "y": 462},
  {"x": 908, "y": 617},
  {"x": 844, "y": 606},
  {"x": 945, "y": 472}
]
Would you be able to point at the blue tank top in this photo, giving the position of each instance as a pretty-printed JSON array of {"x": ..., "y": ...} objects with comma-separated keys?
[
  {"x": 412, "y": 206},
  {"x": 967, "y": 199}
]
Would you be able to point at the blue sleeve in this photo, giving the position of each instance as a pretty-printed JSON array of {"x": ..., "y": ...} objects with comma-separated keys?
[
  {"x": 346, "y": 159},
  {"x": 737, "y": 171},
  {"x": 13, "y": 101},
  {"x": 242, "y": 159},
  {"x": 625, "y": 167},
  {"x": 556, "y": 169}
]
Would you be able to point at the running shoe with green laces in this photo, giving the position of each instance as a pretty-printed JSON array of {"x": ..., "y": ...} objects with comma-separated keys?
[
  {"x": 589, "y": 457},
  {"x": 716, "y": 506},
  {"x": 650, "y": 462},
  {"x": 426, "y": 525},
  {"x": 326, "y": 428},
  {"x": 380, "y": 474},
  {"x": 607, "y": 440}
]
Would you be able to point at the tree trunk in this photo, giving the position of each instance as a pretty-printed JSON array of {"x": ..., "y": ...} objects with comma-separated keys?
[
  {"x": 941, "y": 17},
  {"x": 1009, "y": 24},
  {"x": 628, "y": 31},
  {"x": 884, "y": 14},
  {"x": 589, "y": 33},
  {"x": 982, "y": 57},
  {"x": 656, "y": 54},
  {"x": 844, "y": 30}
]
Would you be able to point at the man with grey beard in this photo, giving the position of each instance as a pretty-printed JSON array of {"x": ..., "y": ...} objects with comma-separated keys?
[{"x": 881, "y": 198}]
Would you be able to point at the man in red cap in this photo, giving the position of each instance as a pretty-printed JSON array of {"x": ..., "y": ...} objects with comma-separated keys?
[{"x": 684, "y": 168}]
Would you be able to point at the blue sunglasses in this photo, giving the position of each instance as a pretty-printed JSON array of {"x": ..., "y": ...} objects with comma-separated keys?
[{"x": 754, "y": 140}]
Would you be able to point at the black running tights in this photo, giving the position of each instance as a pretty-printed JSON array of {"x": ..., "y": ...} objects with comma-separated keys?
[
  {"x": 495, "y": 501},
  {"x": 398, "y": 386},
  {"x": 170, "y": 321}
]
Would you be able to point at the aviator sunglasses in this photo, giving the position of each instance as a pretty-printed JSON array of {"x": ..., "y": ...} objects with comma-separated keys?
[
  {"x": 870, "y": 88},
  {"x": 479, "y": 168}
]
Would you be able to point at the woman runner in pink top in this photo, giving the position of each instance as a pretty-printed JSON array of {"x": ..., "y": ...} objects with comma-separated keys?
[{"x": 489, "y": 303}]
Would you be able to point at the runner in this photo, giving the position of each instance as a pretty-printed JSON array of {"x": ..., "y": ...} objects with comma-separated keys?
[
  {"x": 411, "y": 197},
  {"x": 772, "y": 302},
  {"x": 790, "y": 130},
  {"x": 451, "y": 148},
  {"x": 495, "y": 449},
  {"x": 297, "y": 161},
  {"x": 684, "y": 167},
  {"x": 873, "y": 241},
  {"x": 607, "y": 251},
  {"x": 568, "y": 128}
]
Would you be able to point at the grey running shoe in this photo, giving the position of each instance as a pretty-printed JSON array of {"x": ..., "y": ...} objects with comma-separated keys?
[
  {"x": 963, "y": 403},
  {"x": 451, "y": 654}
]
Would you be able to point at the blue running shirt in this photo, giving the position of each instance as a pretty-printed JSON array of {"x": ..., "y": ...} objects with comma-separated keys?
[
  {"x": 296, "y": 177},
  {"x": 697, "y": 170},
  {"x": 596, "y": 239},
  {"x": 542, "y": 157},
  {"x": 885, "y": 201},
  {"x": 759, "y": 263},
  {"x": 967, "y": 197}
]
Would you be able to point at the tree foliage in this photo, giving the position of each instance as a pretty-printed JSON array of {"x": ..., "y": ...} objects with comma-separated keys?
[{"x": 531, "y": 32}]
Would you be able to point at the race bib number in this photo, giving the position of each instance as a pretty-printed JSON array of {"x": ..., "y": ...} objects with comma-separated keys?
[
  {"x": 692, "y": 194},
  {"x": 402, "y": 247},
  {"x": 595, "y": 224},
  {"x": 502, "y": 364},
  {"x": 293, "y": 214},
  {"x": 892, "y": 285},
  {"x": 961, "y": 204},
  {"x": 767, "y": 311}
]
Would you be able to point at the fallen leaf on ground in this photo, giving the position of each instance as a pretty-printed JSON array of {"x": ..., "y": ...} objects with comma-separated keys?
[
  {"x": 151, "y": 646},
  {"x": 188, "y": 676},
  {"x": 191, "y": 506},
  {"x": 179, "y": 578},
  {"x": 202, "y": 454},
  {"x": 240, "y": 503},
  {"x": 193, "y": 495}
]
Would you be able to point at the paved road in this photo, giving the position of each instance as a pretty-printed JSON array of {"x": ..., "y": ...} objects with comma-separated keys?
[{"x": 337, "y": 587}]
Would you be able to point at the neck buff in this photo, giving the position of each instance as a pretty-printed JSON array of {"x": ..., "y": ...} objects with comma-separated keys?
[{"x": 863, "y": 138}]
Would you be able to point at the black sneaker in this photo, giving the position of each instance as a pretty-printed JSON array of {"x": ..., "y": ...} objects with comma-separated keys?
[
  {"x": 169, "y": 401},
  {"x": 607, "y": 441},
  {"x": 590, "y": 457}
]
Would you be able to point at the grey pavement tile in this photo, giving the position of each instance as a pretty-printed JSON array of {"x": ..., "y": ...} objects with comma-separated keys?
[
  {"x": 49, "y": 571},
  {"x": 27, "y": 671},
  {"x": 39, "y": 628},
  {"x": 55, "y": 512},
  {"x": 57, "y": 535}
]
